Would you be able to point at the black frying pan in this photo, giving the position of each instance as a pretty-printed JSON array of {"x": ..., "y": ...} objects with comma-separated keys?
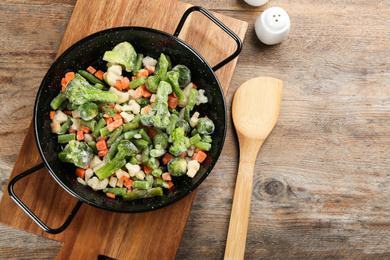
[{"x": 89, "y": 51}]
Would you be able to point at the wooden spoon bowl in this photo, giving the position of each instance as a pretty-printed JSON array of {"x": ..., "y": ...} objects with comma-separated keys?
[{"x": 255, "y": 110}]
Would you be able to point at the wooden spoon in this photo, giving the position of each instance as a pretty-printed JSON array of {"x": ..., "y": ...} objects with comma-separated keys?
[{"x": 255, "y": 111}]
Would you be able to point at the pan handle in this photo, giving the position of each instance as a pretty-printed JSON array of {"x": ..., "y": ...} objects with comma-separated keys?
[
  {"x": 30, "y": 213},
  {"x": 217, "y": 22}
]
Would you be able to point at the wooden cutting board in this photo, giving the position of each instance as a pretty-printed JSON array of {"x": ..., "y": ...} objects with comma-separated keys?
[{"x": 93, "y": 231}]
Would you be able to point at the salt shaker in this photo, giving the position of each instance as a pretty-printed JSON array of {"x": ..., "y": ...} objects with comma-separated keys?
[
  {"x": 256, "y": 2},
  {"x": 272, "y": 26}
]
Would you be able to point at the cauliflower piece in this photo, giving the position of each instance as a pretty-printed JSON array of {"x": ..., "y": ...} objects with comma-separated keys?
[
  {"x": 186, "y": 93},
  {"x": 191, "y": 150},
  {"x": 55, "y": 127},
  {"x": 121, "y": 174},
  {"x": 113, "y": 74},
  {"x": 193, "y": 167},
  {"x": 132, "y": 168},
  {"x": 97, "y": 184},
  {"x": 88, "y": 175},
  {"x": 127, "y": 117},
  {"x": 118, "y": 108},
  {"x": 201, "y": 97},
  {"x": 119, "y": 183},
  {"x": 149, "y": 61},
  {"x": 194, "y": 119},
  {"x": 100, "y": 165},
  {"x": 134, "y": 107},
  {"x": 132, "y": 94},
  {"x": 138, "y": 157},
  {"x": 122, "y": 96},
  {"x": 140, "y": 175},
  {"x": 95, "y": 161},
  {"x": 80, "y": 180},
  {"x": 113, "y": 181},
  {"x": 75, "y": 114},
  {"x": 76, "y": 124},
  {"x": 60, "y": 117},
  {"x": 88, "y": 138},
  {"x": 152, "y": 98}
]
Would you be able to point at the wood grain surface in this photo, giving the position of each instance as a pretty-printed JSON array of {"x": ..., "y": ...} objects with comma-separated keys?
[{"x": 321, "y": 182}]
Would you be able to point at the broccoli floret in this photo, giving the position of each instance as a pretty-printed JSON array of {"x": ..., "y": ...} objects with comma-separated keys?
[
  {"x": 177, "y": 166},
  {"x": 78, "y": 153},
  {"x": 153, "y": 81},
  {"x": 125, "y": 149},
  {"x": 88, "y": 110},
  {"x": 158, "y": 114},
  {"x": 122, "y": 54},
  {"x": 180, "y": 142},
  {"x": 79, "y": 92},
  {"x": 173, "y": 79},
  {"x": 184, "y": 75}
]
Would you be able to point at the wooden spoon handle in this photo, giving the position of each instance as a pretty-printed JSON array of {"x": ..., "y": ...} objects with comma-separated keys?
[{"x": 236, "y": 240}]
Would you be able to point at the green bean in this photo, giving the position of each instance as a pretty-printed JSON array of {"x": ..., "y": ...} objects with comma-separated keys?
[
  {"x": 114, "y": 148},
  {"x": 138, "y": 63},
  {"x": 137, "y": 82},
  {"x": 109, "y": 111},
  {"x": 136, "y": 119},
  {"x": 157, "y": 172},
  {"x": 62, "y": 139},
  {"x": 130, "y": 134},
  {"x": 142, "y": 185},
  {"x": 114, "y": 136},
  {"x": 194, "y": 132},
  {"x": 157, "y": 152},
  {"x": 130, "y": 126},
  {"x": 92, "y": 144},
  {"x": 91, "y": 124},
  {"x": 192, "y": 98},
  {"x": 145, "y": 154},
  {"x": 99, "y": 126},
  {"x": 196, "y": 138},
  {"x": 203, "y": 145},
  {"x": 187, "y": 116},
  {"x": 63, "y": 105},
  {"x": 139, "y": 194},
  {"x": 141, "y": 144},
  {"x": 57, "y": 101},
  {"x": 160, "y": 183},
  {"x": 149, "y": 178},
  {"x": 133, "y": 160},
  {"x": 207, "y": 139},
  {"x": 104, "y": 131},
  {"x": 172, "y": 124},
  {"x": 91, "y": 78},
  {"x": 99, "y": 86},
  {"x": 65, "y": 126},
  {"x": 71, "y": 106},
  {"x": 145, "y": 136},
  {"x": 115, "y": 191}
]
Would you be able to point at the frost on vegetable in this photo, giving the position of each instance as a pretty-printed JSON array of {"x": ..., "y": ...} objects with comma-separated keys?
[
  {"x": 122, "y": 54},
  {"x": 158, "y": 114},
  {"x": 88, "y": 110},
  {"x": 152, "y": 82},
  {"x": 184, "y": 75},
  {"x": 78, "y": 153},
  {"x": 79, "y": 92},
  {"x": 177, "y": 166}
]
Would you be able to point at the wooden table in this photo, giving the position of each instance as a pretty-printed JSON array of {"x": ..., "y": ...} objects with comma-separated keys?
[{"x": 321, "y": 184}]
